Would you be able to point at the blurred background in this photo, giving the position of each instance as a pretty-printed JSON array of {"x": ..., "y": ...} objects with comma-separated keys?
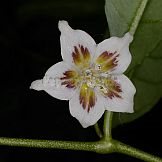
[{"x": 29, "y": 45}]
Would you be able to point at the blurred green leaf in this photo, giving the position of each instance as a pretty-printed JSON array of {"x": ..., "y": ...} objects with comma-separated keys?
[{"x": 146, "y": 67}]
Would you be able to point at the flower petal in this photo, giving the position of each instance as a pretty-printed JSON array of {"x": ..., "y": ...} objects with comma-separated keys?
[
  {"x": 124, "y": 101},
  {"x": 112, "y": 55},
  {"x": 37, "y": 85},
  {"x": 76, "y": 45},
  {"x": 85, "y": 116},
  {"x": 57, "y": 81}
]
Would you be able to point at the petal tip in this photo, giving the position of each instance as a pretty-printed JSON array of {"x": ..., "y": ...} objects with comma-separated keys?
[
  {"x": 84, "y": 125},
  {"x": 63, "y": 26},
  {"x": 128, "y": 37},
  {"x": 130, "y": 108},
  {"x": 87, "y": 124},
  {"x": 130, "y": 112},
  {"x": 37, "y": 85}
]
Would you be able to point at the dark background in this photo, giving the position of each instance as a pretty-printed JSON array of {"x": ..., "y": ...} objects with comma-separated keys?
[{"x": 29, "y": 45}]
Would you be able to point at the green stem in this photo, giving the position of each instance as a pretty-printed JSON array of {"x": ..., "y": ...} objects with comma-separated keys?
[
  {"x": 70, "y": 145},
  {"x": 98, "y": 131},
  {"x": 102, "y": 146},
  {"x": 138, "y": 16},
  {"x": 98, "y": 146},
  {"x": 131, "y": 151},
  {"x": 107, "y": 125}
]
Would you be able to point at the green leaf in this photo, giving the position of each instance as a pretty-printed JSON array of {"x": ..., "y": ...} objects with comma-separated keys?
[
  {"x": 146, "y": 68},
  {"x": 146, "y": 97}
]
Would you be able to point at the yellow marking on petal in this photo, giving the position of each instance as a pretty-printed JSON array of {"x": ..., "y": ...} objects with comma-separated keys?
[
  {"x": 76, "y": 56},
  {"x": 81, "y": 55},
  {"x": 69, "y": 83},
  {"x": 107, "y": 61},
  {"x": 69, "y": 79},
  {"x": 92, "y": 99},
  {"x": 104, "y": 57},
  {"x": 113, "y": 89},
  {"x": 87, "y": 97},
  {"x": 85, "y": 53},
  {"x": 69, "y": 74}
]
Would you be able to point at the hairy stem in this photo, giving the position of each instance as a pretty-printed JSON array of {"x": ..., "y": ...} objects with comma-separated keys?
[
  {"x": 103, "y": 147},
  {"x": 70, "y": 145},
  {"x": 98, "y": 146}
]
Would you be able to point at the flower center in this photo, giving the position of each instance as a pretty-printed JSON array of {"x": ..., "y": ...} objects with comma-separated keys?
[
  {"x": 102, "y": 82},
  {"x": 88, "y": 78},
  {"x": 93, "y": 79}
]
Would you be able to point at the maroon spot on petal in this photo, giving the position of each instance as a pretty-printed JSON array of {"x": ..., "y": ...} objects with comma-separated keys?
[
  {"x": 104, "y": 56},
  {"x": 76, "y": 56},
  {"x": 68, "y": 79},
  {"x": 108, "y": 60},
  {"x": 80, "y": 55},
  {"x": 68, "y": 74},
  {"x": 69, "y": 83},
  {"x": 85, "y": 52},
  {"x": 112, "y": 94},
  {"x": 114, "y": 89},
  {"x": 87, "y": 98}
]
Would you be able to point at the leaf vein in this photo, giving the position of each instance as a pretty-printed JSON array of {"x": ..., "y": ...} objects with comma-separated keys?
[
  {"x": 132, "y": 71},
  {"x": 138, "y": 14},
  {"x": 150, "y": 21}
]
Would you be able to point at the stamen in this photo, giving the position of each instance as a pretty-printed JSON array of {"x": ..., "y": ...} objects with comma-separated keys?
[
  {"x": 88, "y": 72},
  {"x": 97, "y": 67},
  {"x": 103, "y": 89},
  {"x": 91, "y": 83}
]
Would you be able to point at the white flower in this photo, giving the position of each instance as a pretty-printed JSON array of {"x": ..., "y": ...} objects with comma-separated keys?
[{"x": 90, "y": 75}]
